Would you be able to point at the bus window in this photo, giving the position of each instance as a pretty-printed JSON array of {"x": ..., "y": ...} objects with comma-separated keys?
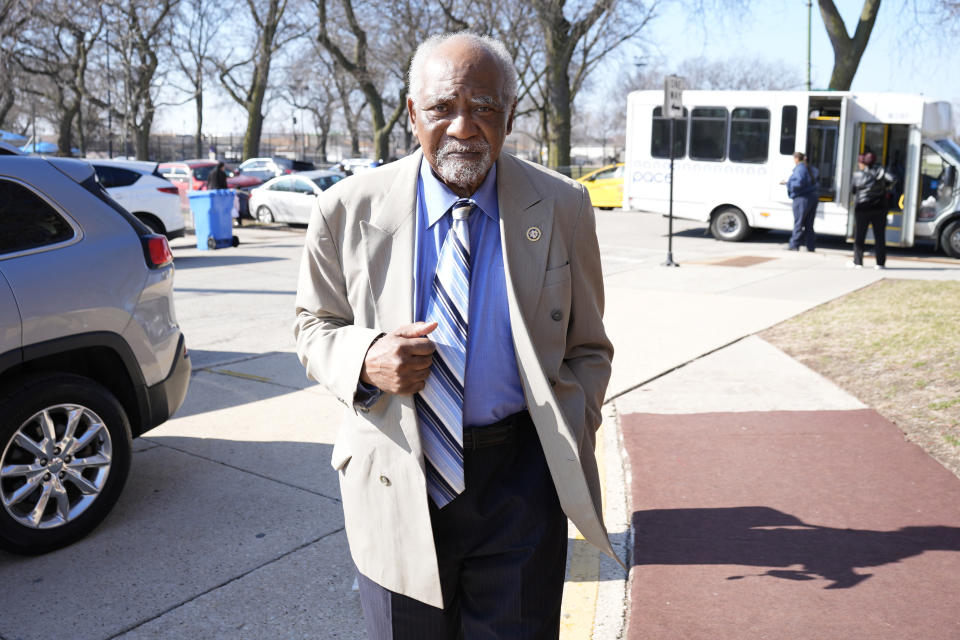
[
  {"x": 749, "y": 134},
  {"x": 933, "y": 187},
  {"x": 660, "y": 135},
  {"x": 708, "y": 133},
  {"x": 788, "y": 130}
]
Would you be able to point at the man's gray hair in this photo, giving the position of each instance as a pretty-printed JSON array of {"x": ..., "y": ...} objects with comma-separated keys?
[{"x": 491, "y": 45}]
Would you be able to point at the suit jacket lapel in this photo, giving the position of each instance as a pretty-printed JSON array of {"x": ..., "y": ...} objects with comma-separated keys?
[
  {"x": 389, "y": 242},
  {"x": 526, "y": 223}
]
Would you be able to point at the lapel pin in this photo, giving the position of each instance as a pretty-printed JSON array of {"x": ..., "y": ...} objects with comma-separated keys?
[{"x": 533, "y": 234}]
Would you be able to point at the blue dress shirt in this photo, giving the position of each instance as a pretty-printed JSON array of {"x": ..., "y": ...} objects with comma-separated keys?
[{"x": 492, "y": 389}]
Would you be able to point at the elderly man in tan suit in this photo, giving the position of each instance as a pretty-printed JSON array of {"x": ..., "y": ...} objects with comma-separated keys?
[{"x": 453, "y": 301}]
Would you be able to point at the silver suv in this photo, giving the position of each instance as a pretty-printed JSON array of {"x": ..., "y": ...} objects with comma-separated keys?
[{"x": 90, "y": 351}]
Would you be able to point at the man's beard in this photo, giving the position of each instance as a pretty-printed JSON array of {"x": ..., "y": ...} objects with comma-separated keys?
[{"x": 463, "y": 173}]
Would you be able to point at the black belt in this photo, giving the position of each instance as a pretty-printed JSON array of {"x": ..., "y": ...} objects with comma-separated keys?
[{"x": 500, "y": 432}]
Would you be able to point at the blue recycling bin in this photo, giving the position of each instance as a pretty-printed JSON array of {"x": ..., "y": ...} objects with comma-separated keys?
[{"x": 212, "y": 220}]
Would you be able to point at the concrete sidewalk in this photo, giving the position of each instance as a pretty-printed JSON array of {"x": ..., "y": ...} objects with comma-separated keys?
[{"x": 764, "y": 501}]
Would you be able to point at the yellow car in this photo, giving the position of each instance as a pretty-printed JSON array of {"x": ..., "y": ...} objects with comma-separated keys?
[{"x": 605, "y": 186}]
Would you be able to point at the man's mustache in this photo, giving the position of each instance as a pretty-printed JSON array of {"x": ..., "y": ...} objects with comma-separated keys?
[{"x": 459, "y": 147}]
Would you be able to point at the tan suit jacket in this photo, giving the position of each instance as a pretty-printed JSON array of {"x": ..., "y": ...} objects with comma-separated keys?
[{"x": 356, "y": 280}]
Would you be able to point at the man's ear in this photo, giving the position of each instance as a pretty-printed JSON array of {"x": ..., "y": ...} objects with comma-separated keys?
[
  {"x": 412, "y": 111},
  {"x": 513, "y": 111}
]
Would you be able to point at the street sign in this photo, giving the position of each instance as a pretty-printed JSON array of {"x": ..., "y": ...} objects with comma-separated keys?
[
  {"x": 672, "y": 97},
  {"x": 673, "y": 109}
]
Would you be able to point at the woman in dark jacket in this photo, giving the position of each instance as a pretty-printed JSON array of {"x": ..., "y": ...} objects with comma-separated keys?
[
  {"x": 870, "y": 185},
  {"x": 802, "y": 189}
]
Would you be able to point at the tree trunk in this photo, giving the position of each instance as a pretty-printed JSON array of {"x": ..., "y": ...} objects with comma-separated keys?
[
  {"x": 142, "y": 136},
  {"x": 847, "y": 51},
  {"x": 381, "y": 134},
  {"x": 64, "y": 132},
  {"x": 251, "y": 139},
  {"x": 321, "y": 148},
  {"x": 7, "y": 100},
  {"x": 558, "y": 135},
  {"x": 354, "y": 141}
]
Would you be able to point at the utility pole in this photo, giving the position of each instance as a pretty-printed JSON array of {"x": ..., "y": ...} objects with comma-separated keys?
[
  {"x": 809, "y": 31},
  {"x": 109, "y": 102}
]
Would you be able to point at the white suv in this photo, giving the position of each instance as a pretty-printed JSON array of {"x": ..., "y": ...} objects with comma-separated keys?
[{"x": 139, "y": 187}]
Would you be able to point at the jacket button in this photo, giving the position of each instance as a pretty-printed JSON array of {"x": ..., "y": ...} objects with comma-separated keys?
[
  {"x": 557, "y": 315},
  {"x": 385, "y": 481},
  {"x": 552, "y": 382}
]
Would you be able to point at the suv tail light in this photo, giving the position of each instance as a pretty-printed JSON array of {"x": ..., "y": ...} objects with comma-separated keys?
[
  {"x": 157, "y": 251},
  {"x": 172, "y": 190}
]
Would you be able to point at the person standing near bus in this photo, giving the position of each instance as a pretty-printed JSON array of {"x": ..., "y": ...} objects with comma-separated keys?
[
  {"x": 870, "y": 185},
  {"x": 802, "y": 189}
]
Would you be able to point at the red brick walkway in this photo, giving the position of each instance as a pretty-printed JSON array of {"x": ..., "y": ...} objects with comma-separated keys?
[{"x": 821, "y": 524}]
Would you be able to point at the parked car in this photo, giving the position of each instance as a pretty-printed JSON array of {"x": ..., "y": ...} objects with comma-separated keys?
[
  {"x": 91, "y": 354},
  {"x": 140, "y": 188},
  {"x": 353, "y": 165},
  {"x": 605, "y": 186},
  {"x": 7, "y": 149},
  {"x": 290, "y": 198},
  {"x": 191, "y": 175},
  {"x": 266, "y": 168}
]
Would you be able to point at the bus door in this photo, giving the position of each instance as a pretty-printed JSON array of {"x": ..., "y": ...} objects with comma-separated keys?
[
  {"x": 889, "y": 143},
  {"x": 823, "y": 134}
]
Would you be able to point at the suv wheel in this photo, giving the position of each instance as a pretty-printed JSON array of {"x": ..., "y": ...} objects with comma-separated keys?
[
  {"x": 65, "y": 451},
  {"x": 950, "y": 240}
]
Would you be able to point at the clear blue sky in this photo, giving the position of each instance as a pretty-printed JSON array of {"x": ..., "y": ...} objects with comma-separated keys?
[{"x": 900, "y": 56}]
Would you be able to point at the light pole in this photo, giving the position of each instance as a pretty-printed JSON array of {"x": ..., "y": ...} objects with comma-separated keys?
[
  {"x": 109, "y": 103},
  {"x": 809, "y": 32}
]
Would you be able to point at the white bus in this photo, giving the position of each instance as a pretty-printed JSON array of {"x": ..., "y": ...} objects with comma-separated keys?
[{"x": 733, "y": 149}]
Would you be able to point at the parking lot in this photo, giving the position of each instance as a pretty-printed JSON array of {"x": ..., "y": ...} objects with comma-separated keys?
[{"x": 230, "y": 524}]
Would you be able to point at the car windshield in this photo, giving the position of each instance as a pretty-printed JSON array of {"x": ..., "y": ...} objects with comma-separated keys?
[
  {"x": 325, "y": 181},
  {"x": 952, "y": 149},
  {"x": 202, "y": 173}
]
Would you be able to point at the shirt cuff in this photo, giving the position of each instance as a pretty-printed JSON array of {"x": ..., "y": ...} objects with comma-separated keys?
[{"x": 366, "y": 395}]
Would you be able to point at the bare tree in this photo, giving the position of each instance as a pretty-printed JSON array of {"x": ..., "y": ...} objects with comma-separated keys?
[
  {"x": 738, "y": 73},
  {"x": 247, "y": 80},
  {"x": 351, "y": 106},
  {"x": 394, "y": 30},
  {"x": 55, "y": 49},
  {"x": 13, "y": 16},
  {"x": 313, "y": 92},
  {"x": 573, "y": 47},
  {"x": 142, "y": 28},
  {"x": 847, "y": 50},
  {"x": 198, "y": 26}
]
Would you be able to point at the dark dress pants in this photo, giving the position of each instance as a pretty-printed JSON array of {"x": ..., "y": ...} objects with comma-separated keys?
[
  {"x": 865, "y": 216},
  {"x": 804, "y": 213},
  {"x": 501, "y": 548}
]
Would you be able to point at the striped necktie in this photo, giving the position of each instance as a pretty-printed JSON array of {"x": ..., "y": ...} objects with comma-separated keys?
[{"x": 440, "y": 404}]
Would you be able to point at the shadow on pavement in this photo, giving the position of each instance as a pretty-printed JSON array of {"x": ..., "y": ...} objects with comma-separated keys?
[
  {"x": 197, "y": 515},
  {"x": 255, "y": 292},
  {"x": 765, "y": 537},
  {"x": 218, "y": 259},
  {"x": 226, "y": 379}
]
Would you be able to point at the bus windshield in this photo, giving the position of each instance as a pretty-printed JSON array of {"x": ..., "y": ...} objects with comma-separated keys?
[{"x": 951, "y": 148}]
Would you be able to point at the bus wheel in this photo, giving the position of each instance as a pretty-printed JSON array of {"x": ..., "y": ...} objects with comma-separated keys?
[
  {"x": 729, "y": 224},
  {"x": 951, "y": 239}
]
